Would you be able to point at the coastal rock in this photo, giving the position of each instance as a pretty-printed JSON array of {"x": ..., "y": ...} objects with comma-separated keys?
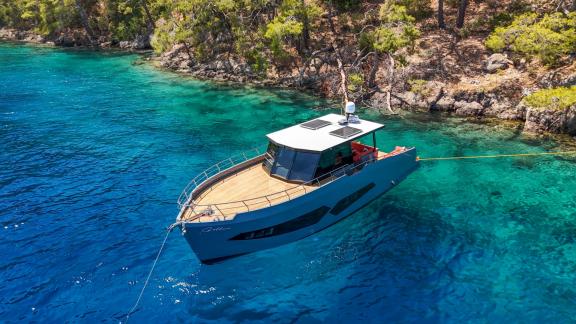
[
  {"x": 551, "y": 120},
  {"x": 141, "y": 42},
  {"x": 464, "y": 108},
  {"x": 7, "y": 33},
  {"x": 177, "y": 59},
  {"x": 64, "y": 41},
  {"x": 445, "y": 104},
  {"x": 411, "y": 100},
  {"x": 125, "y": 44},
  {"x": 34, "y": 38},
  {"x": 557, "y": 79},
  {"x": 506, "y": 110},
  {"x": 497, "y": 62}
]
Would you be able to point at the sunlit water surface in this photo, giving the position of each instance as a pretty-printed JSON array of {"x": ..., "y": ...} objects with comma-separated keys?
[{"x": 95, "y": 150}]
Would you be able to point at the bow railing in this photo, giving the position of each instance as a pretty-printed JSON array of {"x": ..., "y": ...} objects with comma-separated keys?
[
  {"x": 213, "y": 170},
  {"x": 227, "y": 210}
]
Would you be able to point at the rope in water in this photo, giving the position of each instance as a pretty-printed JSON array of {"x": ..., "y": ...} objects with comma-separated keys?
[
  {"x": 494, "y": 156},
  {"x": 419, "y": 159},
  {"x": 151, "y": 271}
]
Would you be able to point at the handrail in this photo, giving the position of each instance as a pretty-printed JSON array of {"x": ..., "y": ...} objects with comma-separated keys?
[
  {"x": 244, "y": 205},
  {"x": 213, "y": 170}
]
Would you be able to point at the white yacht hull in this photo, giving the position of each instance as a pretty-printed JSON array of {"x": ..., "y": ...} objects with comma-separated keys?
[{"x": 300, "y": 217}]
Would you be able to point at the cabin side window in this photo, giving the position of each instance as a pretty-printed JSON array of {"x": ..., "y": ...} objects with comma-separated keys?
[
  {"x": 270, "y": 156},
  {"x": 334, "y": 158}
]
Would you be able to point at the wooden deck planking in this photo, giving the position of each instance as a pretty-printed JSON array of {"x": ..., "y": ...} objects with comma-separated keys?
[{"x": 249, "y": 185}]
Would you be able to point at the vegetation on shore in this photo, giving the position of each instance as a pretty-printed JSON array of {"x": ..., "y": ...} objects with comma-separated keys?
[
  {"x": 554, "y": 98},
  {"x": 470, "y": 57}
]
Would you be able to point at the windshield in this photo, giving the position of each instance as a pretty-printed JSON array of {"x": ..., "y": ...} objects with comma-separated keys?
[{"x": 291, "y": 164}]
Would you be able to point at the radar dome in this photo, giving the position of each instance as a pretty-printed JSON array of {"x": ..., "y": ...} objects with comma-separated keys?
[{"x": 350, "y": 107}]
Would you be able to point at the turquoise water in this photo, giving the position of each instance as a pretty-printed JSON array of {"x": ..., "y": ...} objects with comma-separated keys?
[{"x": 95, "y": 150}]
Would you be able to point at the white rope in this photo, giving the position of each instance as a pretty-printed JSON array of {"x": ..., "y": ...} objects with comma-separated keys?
[{"x": 151, "y": 271}]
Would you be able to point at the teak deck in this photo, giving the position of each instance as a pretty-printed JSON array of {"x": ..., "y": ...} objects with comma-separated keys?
[
  {"x": 249, "y": 189},
  {"x": 246, "y": 190}
]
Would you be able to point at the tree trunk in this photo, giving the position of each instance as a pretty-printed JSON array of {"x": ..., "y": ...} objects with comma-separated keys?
[
  {"x": 461, "y": 13},
  {"x": 306, "y": 27},
  {"x": 37, "y": 16},
  {"x": 441, "y": 23},
  {"x": 573, "y": 5},
  {"x": 149, "y": 20},
  {"x": 85, "y": 22},
  {"x": 343, "y": 79},
  {"x": 373, "y": 70},
  {"x": 390, "y": 79}
]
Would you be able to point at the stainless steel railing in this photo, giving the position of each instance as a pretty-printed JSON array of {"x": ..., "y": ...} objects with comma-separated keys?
[
  {"x": 213, "y": 170},
  {"x": 227, "y": 210}
]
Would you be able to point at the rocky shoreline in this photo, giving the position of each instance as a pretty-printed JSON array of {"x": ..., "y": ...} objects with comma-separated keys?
[
  {"x": 474, "y": 99},
  {"x": 503, "y": 102}
]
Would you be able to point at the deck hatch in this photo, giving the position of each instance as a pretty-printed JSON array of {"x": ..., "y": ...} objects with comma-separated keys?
[
  {"x": 316, "y": 124},
  {"x": 346, "y": 132}
]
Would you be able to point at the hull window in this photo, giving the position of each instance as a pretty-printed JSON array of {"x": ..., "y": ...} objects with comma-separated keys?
[
  {"x": 295, "y": 224},
  {"x": 347, "y": 201}
]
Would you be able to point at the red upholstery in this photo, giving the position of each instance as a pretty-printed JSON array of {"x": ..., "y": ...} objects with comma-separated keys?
[{"x": 360, "y": 150}]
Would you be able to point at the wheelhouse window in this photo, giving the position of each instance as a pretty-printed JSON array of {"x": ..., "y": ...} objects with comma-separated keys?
[
  {"x": 284, "y": 160},
  {"x": 304, "y": 166},
  {"x": 290, "y": 164}
]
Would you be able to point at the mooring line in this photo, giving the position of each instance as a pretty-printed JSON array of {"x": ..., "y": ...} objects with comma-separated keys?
[
  {"x": 151, "y": 271},
  {"x": 493, "y": 156}
]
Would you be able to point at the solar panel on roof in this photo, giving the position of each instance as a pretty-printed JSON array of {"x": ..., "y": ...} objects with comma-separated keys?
[
  {"x": 346, "y": 132},
  {"x": 315, "y": 124}
]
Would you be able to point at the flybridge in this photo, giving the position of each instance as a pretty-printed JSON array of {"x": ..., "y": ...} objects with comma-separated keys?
[{"x": 323, "y": 133}]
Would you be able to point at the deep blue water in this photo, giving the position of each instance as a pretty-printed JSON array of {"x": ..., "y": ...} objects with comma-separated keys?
[{"x": 94, "y": 152}]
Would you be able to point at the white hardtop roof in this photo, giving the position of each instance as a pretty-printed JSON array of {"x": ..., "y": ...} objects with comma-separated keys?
[{"x": 300, "y": 138}]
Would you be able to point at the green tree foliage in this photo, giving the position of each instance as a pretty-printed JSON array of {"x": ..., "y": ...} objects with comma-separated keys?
[
  {"x": 208, "y": 27},
  {"x": 118, "y": 19},
  {"x": 355, "y": 81},
  {"x": 419, "y": 9},
  {"x": 556, "y": 98},
  {"x": 397, "y": 30},
  {"x": 293, "y": 19},
  {"x": 549, "y": 37}
]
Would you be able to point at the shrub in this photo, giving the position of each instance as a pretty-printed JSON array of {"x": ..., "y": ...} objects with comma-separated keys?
[
  {"x": 419, "y": 9},
  {"x": 555, "y": 98},
  {"x": 418, "y": 86},
  {"x": 397, "y": 30},
  {"x": 355, "y": 81},
  {"x": 548, "y": 38}
]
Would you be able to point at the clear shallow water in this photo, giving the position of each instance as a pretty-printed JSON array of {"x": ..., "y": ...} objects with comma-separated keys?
[{"x": 94, "y": 152}]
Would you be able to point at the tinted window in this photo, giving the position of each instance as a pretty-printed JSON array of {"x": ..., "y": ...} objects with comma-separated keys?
[
  {"x": 284, "y": 159},
  {"x": 270, "y": 155},
  {"x": 304, "y": 166},
  {"x": 349, "y": 200},
  {"x": 295, "y": 224}
]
